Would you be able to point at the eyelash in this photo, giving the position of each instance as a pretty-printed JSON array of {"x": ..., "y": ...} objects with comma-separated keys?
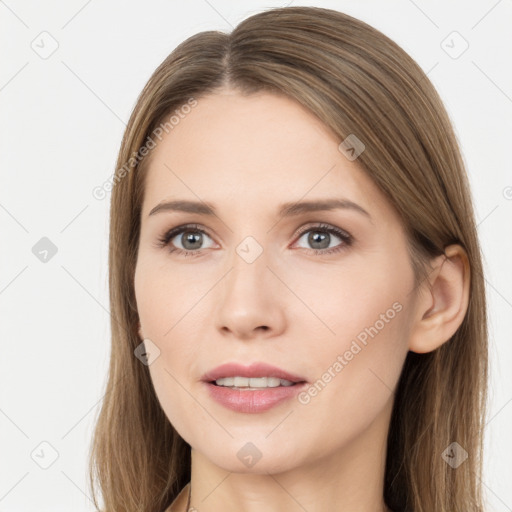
[{"x": 343, "y": 235}]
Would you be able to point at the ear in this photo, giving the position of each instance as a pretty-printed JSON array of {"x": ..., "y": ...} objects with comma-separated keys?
[
  {"x": 442, "y": 301},
  {"x": 139, "y": 331}
]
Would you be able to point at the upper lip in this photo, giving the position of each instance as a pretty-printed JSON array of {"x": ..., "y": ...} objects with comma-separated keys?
[{"x": 253, "y": 370}]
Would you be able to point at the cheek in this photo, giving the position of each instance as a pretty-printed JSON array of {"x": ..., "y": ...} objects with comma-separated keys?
[
  {"x": 354, "y": 378},
  {"x": 362, "y": 300},
  {"x": 361, "y": 331},
  {"x": 166, "y": 297},
  {"x": 170, "y": 309}
]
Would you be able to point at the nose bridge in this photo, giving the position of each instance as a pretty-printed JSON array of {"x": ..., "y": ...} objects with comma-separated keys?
[
  {"x": 249, "y": 266},
  {"x": 247, "y": 300}
]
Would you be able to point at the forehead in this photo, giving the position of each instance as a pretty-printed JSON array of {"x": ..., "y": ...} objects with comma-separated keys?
[{"x": 252, "y": 150}]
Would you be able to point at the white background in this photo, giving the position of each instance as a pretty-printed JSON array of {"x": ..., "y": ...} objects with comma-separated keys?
[{"x": 62, "y": 119}]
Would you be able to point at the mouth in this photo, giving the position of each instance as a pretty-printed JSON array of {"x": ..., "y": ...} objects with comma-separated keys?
[
  {"x": 255, "y": 376},
  {"x": 251, "y": 389},
  {"x": 247, "y": 399},
  {"x": 253, "y": 383}
]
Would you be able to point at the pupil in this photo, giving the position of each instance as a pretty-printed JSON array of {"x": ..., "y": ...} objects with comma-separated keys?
[
  {"x": 315, "y": 236},
  {"x": 191, "y": 237}
]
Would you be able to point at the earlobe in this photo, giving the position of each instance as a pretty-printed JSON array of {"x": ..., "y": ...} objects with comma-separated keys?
[{"x": 442, "y": 301}]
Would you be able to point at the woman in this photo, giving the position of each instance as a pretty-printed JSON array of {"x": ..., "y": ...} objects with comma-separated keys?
[{"x": 298, "y": 308}]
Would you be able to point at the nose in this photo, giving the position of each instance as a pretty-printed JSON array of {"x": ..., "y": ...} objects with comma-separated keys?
[{"x": 250, "y": 300}]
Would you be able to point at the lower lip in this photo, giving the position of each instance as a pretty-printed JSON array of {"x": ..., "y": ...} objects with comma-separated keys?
[{"x": 253, "y": 401}]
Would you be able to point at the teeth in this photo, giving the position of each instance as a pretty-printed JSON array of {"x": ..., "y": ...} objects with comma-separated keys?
[{"x": 253, "y": 382}]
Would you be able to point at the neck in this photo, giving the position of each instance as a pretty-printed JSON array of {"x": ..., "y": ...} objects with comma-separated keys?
[{"x": 350, "y": 478}]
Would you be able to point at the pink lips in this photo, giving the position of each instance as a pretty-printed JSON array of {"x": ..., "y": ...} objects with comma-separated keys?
[
  {"x": 253, "y": 370},
  {"x": 251, "y": 401}
]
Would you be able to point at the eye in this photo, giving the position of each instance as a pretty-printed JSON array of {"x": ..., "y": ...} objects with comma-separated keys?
[
  {"x": 189, "y": 240},
  {"x": 321, "y": 236}
]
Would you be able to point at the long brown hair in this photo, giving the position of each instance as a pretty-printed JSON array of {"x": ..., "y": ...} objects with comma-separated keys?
[{"x": 357, "y": 81}]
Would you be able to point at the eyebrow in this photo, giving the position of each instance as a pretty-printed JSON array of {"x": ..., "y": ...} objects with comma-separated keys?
[{"x": 286, "y": 210}]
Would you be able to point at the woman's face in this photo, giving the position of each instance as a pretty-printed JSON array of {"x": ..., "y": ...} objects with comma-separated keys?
[{"x": 323, "y": 294}]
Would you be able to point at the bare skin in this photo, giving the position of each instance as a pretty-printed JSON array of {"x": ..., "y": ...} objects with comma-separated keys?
[{"x": 290, "y": 307}]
